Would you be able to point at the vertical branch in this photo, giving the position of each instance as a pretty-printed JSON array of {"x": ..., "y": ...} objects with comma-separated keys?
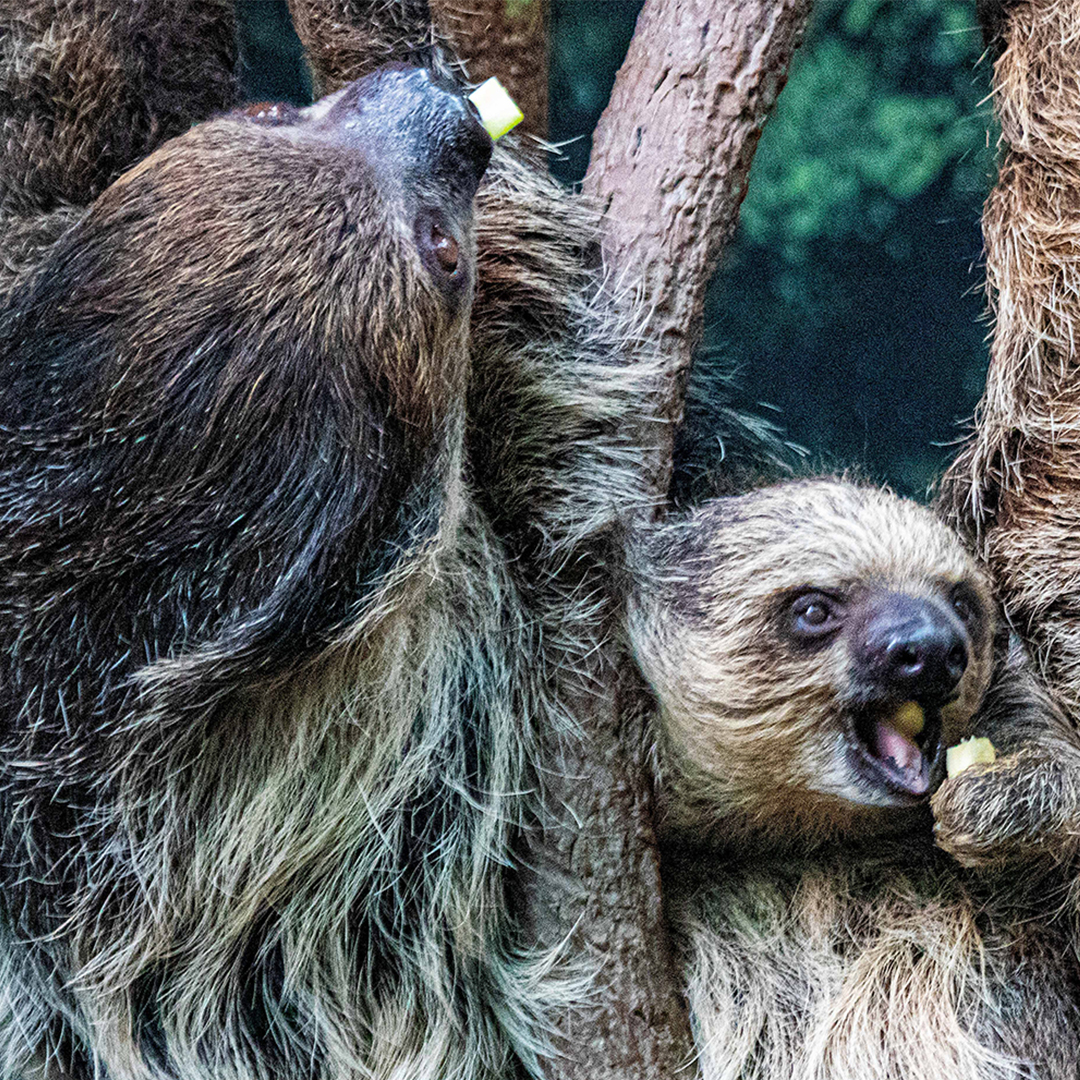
[
  {"x": 592, "y": 879},
  {"x": 670, "y": 162},
  {"x": 345, "y": 39}
]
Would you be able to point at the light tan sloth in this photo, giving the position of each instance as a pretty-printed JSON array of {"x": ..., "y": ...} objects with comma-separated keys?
[{"x": 813, "y": 648}]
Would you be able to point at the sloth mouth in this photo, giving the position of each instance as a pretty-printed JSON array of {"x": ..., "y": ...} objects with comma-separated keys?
[{"x": 899, "y": 747}]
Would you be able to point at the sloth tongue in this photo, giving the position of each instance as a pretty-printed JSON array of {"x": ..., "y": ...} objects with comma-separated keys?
[{"x": 902, "y": 759}]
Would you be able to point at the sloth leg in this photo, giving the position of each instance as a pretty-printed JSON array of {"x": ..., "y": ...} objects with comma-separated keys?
[{"x": 345, "y": 39}]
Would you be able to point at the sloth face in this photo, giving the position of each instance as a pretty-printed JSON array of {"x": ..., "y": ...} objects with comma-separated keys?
[
  {"x": 813, "y": 648},
  {"x": 907, "y": 651}
]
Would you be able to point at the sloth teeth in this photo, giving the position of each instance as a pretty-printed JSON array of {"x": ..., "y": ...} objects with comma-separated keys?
[{"x": 901, "y": 746}]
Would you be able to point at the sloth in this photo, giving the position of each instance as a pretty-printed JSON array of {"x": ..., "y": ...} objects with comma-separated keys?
[
  {"x": 813, "y": 648},
  {"x": 317, "y": 429}
]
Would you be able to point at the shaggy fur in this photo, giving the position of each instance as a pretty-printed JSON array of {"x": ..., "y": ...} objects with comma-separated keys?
[
  {"x": 88, "y": 88},
  {"x": 823, "y": 934},
  {"x": 1014, "y": 488},
  {"x": 297, "y": 541}
]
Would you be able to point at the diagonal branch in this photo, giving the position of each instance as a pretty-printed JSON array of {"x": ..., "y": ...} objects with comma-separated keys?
[
  {"x": 670, "y": 163},
  {"x": 673, "y": 149}
]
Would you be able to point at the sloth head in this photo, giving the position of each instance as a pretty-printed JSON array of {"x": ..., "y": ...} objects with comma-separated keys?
[{"x": 813, "y": 647}]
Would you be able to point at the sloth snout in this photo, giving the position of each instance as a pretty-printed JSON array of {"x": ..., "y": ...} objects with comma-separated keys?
[{"x": 911, "y": 649}]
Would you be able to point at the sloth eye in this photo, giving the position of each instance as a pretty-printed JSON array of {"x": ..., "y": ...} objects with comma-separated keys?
[
  {"x": 439, "y": 248},
  {"x": 965, "y": 604},
  {"x": 813, "y": 615},
  {"x": 445, "y": 248}
]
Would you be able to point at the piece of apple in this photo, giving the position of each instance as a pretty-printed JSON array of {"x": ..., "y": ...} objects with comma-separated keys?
[
  {"x": 496, "y": 107},
  {"x": 909, "y": 719},
  {"x": 978, "y": 751}
]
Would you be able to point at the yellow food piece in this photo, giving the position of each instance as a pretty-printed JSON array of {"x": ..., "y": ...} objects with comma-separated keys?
[
  {"x": 967, "y": 753},
  {"x": 496, "y": 107},
  {"x": 909, "y": 719}
]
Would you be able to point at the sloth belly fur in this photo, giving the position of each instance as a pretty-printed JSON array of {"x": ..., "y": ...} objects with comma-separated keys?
[{"x": 872, "y": 969}]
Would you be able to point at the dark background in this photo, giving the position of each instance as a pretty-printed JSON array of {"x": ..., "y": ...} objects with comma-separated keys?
[{"x": 849, "y": 310}]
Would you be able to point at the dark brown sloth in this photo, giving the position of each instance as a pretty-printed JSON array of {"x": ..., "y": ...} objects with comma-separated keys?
[
  {"x": 310, "y": 475},
  {"x": 813, "y": 648}
]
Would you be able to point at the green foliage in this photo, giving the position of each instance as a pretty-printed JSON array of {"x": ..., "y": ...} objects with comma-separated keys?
[
  {"x": 850, "y": 300},
  {"x": 882, "y": 103}
]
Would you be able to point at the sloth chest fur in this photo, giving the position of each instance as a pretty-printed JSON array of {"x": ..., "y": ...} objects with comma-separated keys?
[
  {"x": 357, "y": 768},
  {"x": 871, "y": 972}
]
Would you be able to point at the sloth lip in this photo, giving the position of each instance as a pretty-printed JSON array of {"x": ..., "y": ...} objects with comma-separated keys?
[{"x": 904, "y": 765}]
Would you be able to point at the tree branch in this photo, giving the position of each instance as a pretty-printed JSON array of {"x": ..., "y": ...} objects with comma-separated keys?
[
  {"x": 345, "y": 39},
  {"x": 672, "y": 152},
  {"x": 670, "y": 161}
]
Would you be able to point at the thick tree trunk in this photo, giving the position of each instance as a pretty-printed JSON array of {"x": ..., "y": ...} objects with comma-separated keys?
[
  {"x": 1015, "y": 488},
  {"x": 593, "y": 881}
]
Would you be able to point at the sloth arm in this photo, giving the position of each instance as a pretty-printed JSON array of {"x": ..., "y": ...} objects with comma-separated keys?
[{"x": 1026, "y": 805}]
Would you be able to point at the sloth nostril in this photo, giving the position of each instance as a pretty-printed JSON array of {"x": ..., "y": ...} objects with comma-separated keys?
[{"x": 906, "y": 658}]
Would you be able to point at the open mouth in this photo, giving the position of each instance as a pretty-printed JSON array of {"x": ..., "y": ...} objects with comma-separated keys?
[{"x": 899, "y": 745}]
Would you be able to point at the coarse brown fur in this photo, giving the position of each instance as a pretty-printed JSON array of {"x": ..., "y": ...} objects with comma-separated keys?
[
  {"x": 824, "y": 935},
  {"x": 88, "y": 88},
  {"x": 299, "y": 539},
  {"x": 1014, "y": 490},
  {"x": 1015, "y": 487}
]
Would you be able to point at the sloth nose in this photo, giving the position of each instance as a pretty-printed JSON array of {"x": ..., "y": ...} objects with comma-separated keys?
[
  {"x": 411, "y": 123},
  {"x": 912, "y": 649}
]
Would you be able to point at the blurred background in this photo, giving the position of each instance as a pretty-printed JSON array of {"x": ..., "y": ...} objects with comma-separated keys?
[{"x": 849, "y": 310}]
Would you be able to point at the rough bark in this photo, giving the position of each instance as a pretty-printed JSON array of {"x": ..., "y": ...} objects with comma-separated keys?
[
  {"x": 670, "y": 162},
  {"x": 593, "y": 881},
  {"x": 507, "y": 39},
  {"x": 344, "y": 39},
  {"x": 1015, "y": 487},
  {"x": 672, "y": 152}
]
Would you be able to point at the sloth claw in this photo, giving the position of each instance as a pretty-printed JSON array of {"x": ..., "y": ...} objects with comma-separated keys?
[{"x": 1002, "y": 813}]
